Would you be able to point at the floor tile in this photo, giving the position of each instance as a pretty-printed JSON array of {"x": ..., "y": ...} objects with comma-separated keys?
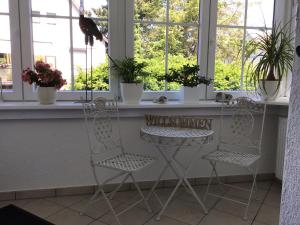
[
  {"x": 97, "y": 223},
  {"x": 257, "y": 223},
  {"x": 19, "y": 203},
  {"x": 268, "y": 215},
  {"x": 273, "y": 199},
  {"x": 164, "y": 220},
  {"x": 187, "y": 212},
  {"x": 135, "y": 216},
  {"x": 69, "y": 217},
  {"x": 67, "y": 200},
  {"x": 42, "y": 207},
  {"x": 258, "y": 196},
  {"x": 238, "y": 209},
  {"x": 219, "y": 218},
  {"x": 94, "y": 210}
]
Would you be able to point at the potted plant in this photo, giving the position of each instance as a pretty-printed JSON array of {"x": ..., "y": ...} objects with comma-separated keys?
[
  {"x": 188, "y": 77},
  {"x": 273, "y": 60},
  {"x": 47, "y": 80},
  {"x": 132, "y": 74}
]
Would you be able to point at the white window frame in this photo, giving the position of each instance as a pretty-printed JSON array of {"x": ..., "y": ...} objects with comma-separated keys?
[
  {"x": 15, "y": 36},
  {"x": 27, "y": 49},
  {"x": 172, "y": 95}
]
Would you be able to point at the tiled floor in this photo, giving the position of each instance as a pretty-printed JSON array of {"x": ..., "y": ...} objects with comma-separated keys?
[{"x": 182, "y": 211}]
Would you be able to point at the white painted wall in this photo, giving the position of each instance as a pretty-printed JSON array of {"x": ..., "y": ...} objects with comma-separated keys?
[{"x": 52, "y": 153}]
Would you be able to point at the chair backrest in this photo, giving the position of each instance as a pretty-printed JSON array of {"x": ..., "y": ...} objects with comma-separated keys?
[
  {"x": 242, "y": 125},
  {"x": 102, "y": 125}
]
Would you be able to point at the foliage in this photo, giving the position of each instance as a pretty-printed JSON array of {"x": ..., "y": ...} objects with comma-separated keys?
[
  {"x": 275, "y": 54},
  {"x": 187, "y": 76},
  {"x": 43, "y": 76},
  {"x": 130, "y": 70},
  {"x": 100, "y": 79}
]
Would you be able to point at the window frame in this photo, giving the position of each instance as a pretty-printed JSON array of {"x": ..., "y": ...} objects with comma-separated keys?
[{"x": 16, "y": 92}]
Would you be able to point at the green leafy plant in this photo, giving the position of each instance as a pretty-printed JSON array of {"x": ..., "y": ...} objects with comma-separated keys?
[
  {"x": 187, "y": 75},
  {"x": 130, "y": 70},
  {"x": 275, "y": 55}
]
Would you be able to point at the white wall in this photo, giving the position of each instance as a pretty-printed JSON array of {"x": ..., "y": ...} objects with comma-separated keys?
[{"x": 52, "y": 153}]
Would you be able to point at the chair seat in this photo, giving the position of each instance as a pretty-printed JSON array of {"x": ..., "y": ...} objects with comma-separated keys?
[
  {"x": 236, "y": 158},
  {"x": 128, "y": 162}
]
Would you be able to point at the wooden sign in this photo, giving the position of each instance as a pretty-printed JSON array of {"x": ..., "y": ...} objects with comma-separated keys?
[{"x": 178, "y": 121}]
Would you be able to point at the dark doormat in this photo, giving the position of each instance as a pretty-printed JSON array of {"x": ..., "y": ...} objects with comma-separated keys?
[{"x": 13, "y": 215}]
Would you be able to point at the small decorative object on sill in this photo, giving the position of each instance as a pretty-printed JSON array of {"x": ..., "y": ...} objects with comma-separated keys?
[
  {"x": 223, "y": 97},
  {"x": 47, "y": 80},
  {"x": 161, "y": 100}
]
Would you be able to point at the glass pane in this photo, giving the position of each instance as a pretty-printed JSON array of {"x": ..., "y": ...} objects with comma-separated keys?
[
  {"x": 151, "y": 10},
  {"x": 100, "y": 70},
  {"x": 53, "y": 7},
  {"x": 184, "y": 11},
  {"x": 149, "y": 47},
  {"x": 52, "y": 47},
  {"x": 5, "y": 54},
  {"x": 231, "y": 12},
  {"x": 228, "y": 62},
  {"x": 92, "y": 8},
  {"x": 183, "y": 46},
  {"x": 260, "y": 13},
  {"x": 4, "y": 6}
]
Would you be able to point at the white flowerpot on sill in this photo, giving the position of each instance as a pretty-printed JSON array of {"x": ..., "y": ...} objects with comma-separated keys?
[
  {"x": 192, "y": 94},
  {"x": 131, "y": 92},
  {"x": 46, "y": 95},
  {"x": 268, "y": 90}
]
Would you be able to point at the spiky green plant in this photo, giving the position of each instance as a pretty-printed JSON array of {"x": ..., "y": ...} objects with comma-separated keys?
[{"x": 275, "y": 55}]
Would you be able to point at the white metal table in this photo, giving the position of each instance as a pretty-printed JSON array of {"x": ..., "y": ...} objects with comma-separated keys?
[{"x": 176, "y": 138}]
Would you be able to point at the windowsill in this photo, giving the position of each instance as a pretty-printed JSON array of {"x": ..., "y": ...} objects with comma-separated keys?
[{"x": 66, "y": 105}]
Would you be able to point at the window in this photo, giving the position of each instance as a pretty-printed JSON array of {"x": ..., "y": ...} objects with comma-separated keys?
[
  {"x": 238, "y": 21},
  {"x": 58, "y": 40},
  {"x": 165, "y": 37}
]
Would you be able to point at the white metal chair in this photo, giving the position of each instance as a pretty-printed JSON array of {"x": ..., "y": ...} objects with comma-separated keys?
[
  {"x": 240, "y": 138},
  {"x": 106, "y": 151}
]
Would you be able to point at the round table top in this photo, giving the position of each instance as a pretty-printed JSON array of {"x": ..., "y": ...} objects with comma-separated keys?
[{"x": 176, "y": 135}]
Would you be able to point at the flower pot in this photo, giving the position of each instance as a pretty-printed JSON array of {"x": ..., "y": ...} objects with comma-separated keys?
[
  {"x": 46, "y": 95},
  {"x": 191, "y": 94},
  {"x": 268, "y": 90},
  {"x": 131, "y": 92}
]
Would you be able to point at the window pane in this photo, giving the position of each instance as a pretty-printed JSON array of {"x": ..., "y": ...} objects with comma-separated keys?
[
  {"x": 228, "y": 62},
  {"x": 51, "y": 43},
  {"x": 231, "y": 12},
  {"x": 260, "y": 13},
  {"x": 5, "y": 53},
  {"x": 183, "y": 46},
  {"x": 151, "y": 10},
  {"x": 184, "y": 11},
  {"x": 92, "y": 8},
  {"x": 56, "y": 7},
  {"x": 4, "y": 6},
  {"x": 100, "y": 70},
  {"x": 149, "y": 47}
]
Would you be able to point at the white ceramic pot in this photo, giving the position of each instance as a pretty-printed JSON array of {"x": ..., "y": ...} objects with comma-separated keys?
[
  {"x": 268, "y": 90},
  {"x": 131, "y": 92},
  {"x": 191, "y": 94},
  {"x": 46, "y": 95}
]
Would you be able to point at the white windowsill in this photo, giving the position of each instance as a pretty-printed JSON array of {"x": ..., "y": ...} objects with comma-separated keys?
[{"x": 61, "y": 105}]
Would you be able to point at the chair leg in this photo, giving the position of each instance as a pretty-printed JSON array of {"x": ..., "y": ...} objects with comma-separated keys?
[
  {"x": 113, "y": 193},
  {"x": 95, "y": 195},
  {"x": 141, "y": 194},
  {"x": 251, "y": 193},
  {"x": 208, "y": 185},
  {"x": 110, "y": 206}
]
